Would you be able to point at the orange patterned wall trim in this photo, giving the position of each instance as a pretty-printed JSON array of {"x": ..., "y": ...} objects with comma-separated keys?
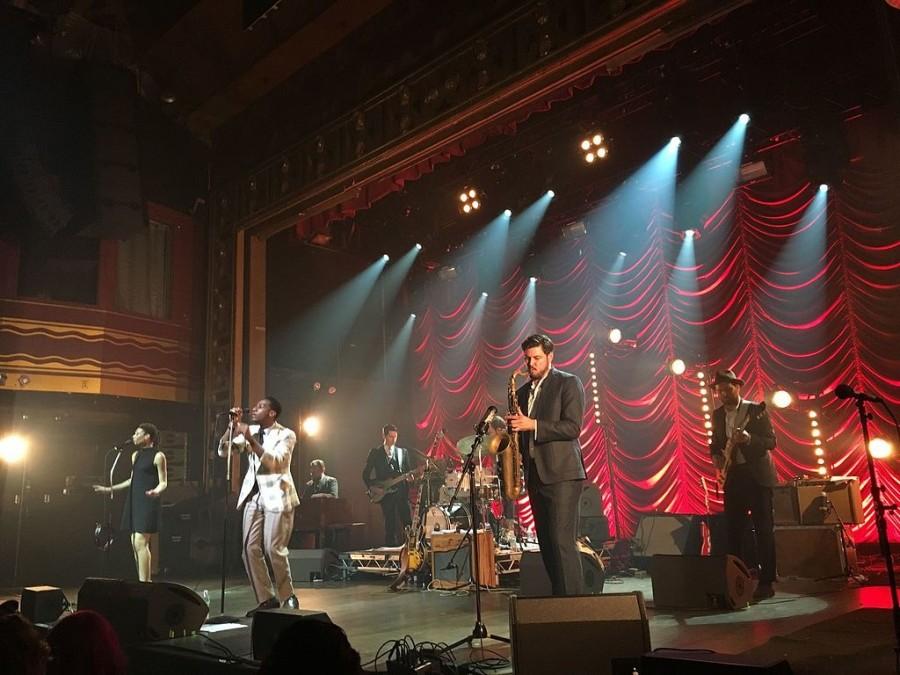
[{"x": 60, "y": 347}]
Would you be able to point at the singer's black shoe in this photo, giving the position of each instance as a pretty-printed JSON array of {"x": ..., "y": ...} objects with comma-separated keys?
[
  {"x": 291, "y": 603},
  {"x": 271, "y": 603}
]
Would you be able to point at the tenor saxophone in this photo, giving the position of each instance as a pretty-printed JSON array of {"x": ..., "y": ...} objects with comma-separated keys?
[{"x": 506, "y": 446}]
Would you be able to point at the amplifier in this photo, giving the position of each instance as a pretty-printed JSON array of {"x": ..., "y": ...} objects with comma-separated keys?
[
  {"x": 443, "y": 547},
  {"x": 801, "y": 502},
  {"x": 813, "y": 552}
]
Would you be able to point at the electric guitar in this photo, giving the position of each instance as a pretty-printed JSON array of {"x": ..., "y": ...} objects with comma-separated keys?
[
  {"x": 379, "y": 489},
  {"x": 728, "y": 451},
  {"x": 412, "y": 555}
]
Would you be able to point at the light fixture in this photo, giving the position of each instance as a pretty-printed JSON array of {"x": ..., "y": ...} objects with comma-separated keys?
[
  {"x": 690, "y": 233},
  {"x": 622, "y": 254},
  {"x": 23, "y": 380},
  {"x": 551, "y": 194},
  {"x": 677, "y": 367},
  {"x": 470, "y": 199},
  {"x": 782, "y": 398},
  {"x": 507, "y": 213},
  {"x": 594, "y": 147},
  {"x": 744, "y": 118},
  {"x": 675, "y": 141},
  {"x": 614, "y": 336},
  {"x": 418, "y": 247},
  {"x": 332, "y": 390},
  {"x": 532, "y": 280},
  {"x": 385, "y": 257},
  {"x": 412, "y": 316},
  {"x": 484, "y": 294},
  {"x": 311, "y": 426},
  {"x": 880, "y": 448},
  {"x": 823, "y": 187},
  {"x": 13, "y": 448}
]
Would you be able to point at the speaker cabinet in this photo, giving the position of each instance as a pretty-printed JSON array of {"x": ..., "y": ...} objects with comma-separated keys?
[
  {"x": 577, "y": 635},
  {"x": 309, "y": 564},
  {"x": 534, "y": 581},
  {"x": 813, "y": 552},
  {"x": 268, "y": 624},
  {"x": 700, "y": 582},
  {"x": 43, "y": 604},
  {"x": 143, "y": 611},
  {"x": 819, "y": 502}
]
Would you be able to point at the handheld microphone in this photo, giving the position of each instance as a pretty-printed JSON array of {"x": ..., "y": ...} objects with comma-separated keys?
[
  {"x": 846, "y": 391},
  {"x": 481, "y": 427},
  {"x": 228, "y": 412},
  {"x": 122, "y": 446}
]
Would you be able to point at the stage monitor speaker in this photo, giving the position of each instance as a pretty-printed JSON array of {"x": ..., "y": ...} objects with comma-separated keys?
[
  {"x": 309, "y": 564},
  {"x": 700, "y": 582},
  {"x": 43, "y": 604},
  {"x": 813, "y": 552},
  {"x": 578, "y": 634},
  {"x": 679, "y": 662},
  {"x": 143, "y": 611},
  {"x": 268, "y": 624},
  {"x": 534, "y": 582}
]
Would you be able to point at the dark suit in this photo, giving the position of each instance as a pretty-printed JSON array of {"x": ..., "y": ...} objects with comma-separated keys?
[
  {"x": 395, "y": 506},
  {"x": 748, "y": 486},
  {"x": 554, "y": 474}
]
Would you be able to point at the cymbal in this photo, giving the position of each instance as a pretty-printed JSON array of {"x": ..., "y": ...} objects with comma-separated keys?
[{"x": 464, "y": 445}]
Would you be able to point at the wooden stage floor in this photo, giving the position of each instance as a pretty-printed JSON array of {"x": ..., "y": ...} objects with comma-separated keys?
[{"x": 372, "y": 615}]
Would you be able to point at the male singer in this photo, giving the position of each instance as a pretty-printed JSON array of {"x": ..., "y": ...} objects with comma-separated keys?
[
  {"x": 388, "y": 460},
  {"x": 268, "y": 498},
  {"x": 748, "y": 486},
  {"x": 552, "y": 410}
]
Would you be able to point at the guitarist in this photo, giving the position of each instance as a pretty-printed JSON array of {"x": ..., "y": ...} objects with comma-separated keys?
[
  {"x": 744, "y": 429},
  {"x": 387, "y": 461}
]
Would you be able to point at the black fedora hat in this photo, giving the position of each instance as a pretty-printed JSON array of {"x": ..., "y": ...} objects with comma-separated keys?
[{"x": 727, "y": 376}]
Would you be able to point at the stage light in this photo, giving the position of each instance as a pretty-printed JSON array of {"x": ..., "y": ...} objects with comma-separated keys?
[
  {"x": 13, "y": 448},
  {"x": 675, "y": 141},
  {"x": 418, "y": 247},
  {"x": 615, "y": 336},
  {"x": 822, "y": 471},
  {"x": 507, "y": 213},
  {"x": 823, "y": 188},
  {"x": 812, "y": 414},
  {"x": 701, "y": 375},
  {"x": 622, "y": 254},
  {"x": 532, "y": 280},
  {"x": 744, "y": 118},
  {"x": 332, "y": 390},
  {"x": 881, "y": 448},
  {"x": 412, "y": 316},
  {"x": 470, "y": 199},
  {"x": 311, "y": 426},
  {"x": 484, "y": 294},
  {"x": 574, "y": 230},
  {"x": 782, "y": 399},
  {"x": 385, "y": 257},
  {"x": 689, "y": 234},
  {"x": 593, "y": 148},
  {"x": 551, "y": 194},
  {"x": 677, "y": 367}
]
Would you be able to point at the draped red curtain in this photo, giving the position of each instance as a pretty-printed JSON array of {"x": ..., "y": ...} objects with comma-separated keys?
[{"x": 788, "y": 288}]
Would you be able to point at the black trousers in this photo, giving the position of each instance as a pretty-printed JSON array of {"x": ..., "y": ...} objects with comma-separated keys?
[
  {"x": 743, "y": 494},
  {"x": 395, "y": 508},
  {"x": 555, "y": 507}
]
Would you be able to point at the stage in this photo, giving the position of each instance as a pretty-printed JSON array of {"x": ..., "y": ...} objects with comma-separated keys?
[{"x": 809, "y": 623}]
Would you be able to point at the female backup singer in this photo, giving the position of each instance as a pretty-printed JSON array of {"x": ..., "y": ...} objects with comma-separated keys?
[{"x": 146, "y": 484}]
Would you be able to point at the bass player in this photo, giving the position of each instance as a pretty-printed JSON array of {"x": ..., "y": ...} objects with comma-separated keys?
[{"x": 388, "y": 461}]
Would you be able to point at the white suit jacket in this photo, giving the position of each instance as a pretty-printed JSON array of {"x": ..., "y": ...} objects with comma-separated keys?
[{"x": 276, "y": 485}]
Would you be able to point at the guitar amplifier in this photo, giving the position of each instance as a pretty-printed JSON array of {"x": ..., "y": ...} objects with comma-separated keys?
[
  {"x": 813, "y": 552},
  {"x": 803, "y": 502}
]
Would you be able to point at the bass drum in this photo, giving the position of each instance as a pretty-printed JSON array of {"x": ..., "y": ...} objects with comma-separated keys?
[{"x": 440, "y": 518}]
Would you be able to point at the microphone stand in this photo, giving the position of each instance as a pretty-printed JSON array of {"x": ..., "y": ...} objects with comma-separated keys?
[
  {"x": 479, "y": 631},
  {"x": 226, "y": 492},
  {"x": 881, "y": 526},
  {"x": 107, "y": 507}
]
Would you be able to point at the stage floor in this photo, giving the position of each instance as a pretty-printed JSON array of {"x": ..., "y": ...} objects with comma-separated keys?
[{"x": 372, "y": 615}]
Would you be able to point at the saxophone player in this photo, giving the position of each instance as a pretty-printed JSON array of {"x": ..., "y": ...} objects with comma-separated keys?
[{"x": 549, "y": 425}]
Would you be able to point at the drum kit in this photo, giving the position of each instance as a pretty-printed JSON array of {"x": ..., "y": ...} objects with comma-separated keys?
[{"x": 447, "y": 491}]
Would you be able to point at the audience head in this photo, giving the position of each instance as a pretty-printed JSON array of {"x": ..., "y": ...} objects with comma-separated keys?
[
  {"x": 85, "y": 643},
  {"x": 312, "y": 646},
  {"x": 22, "y": 651}
]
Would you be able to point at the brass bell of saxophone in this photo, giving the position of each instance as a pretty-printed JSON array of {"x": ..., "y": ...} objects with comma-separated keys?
[{"x": 506, "y": 445}]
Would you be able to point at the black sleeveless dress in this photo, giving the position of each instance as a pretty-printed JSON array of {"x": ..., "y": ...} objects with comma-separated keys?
[{"x": 141, "y": 512}]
